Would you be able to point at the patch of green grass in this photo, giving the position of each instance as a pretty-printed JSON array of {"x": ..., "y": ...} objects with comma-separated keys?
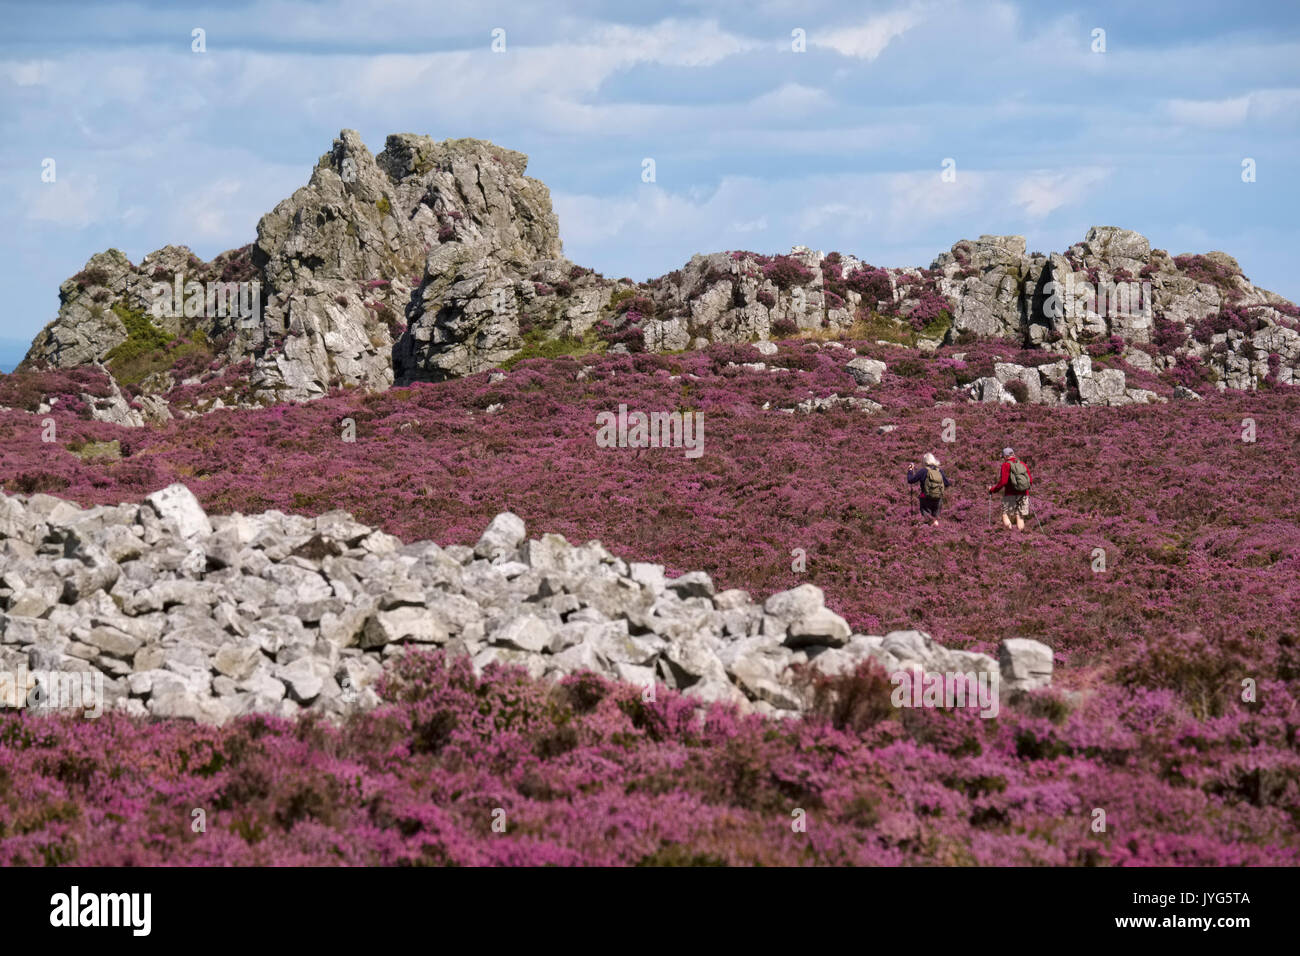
[
  {"x": 90, "y": 450},
  {"x": 537, "y": 345},
  {"x": 146, "y": 351},
  {"x": 875, "y": 326},
  {"x": 383, "y": 205},
  {"x": 141, "y": 334},
  {"x": 618, "y": 295},
  {"x": 130, "y": 361},
  {"x": 937, "y": 327}
]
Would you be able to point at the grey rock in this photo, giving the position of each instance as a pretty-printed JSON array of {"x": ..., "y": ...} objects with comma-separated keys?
[
  {"x": 866, "y": 371},
  {"x": 524, "y": 632},
  {"x": 580, "y": 657},
  {"x": 177, "y": 505},
  {"x": 649, "y": 576},
  {"x": 503, "y": 536},
  {"x": 400, "y": 624},
  {"x": 1025, "y": 664},
  {"x": 690, "y": 660},
  {"x": 302, "y": 679},
  {"x": 691, "y": 584},
  {"x": 184, "y": 706},
  {"x": 732, "y": 599},
  {"x": 275, "y": 619},
  {"x": 114, "y": 643},
  {"x": 798, "y": 602},
  {"x": 822, "y": 626},
  {"x": 238, "y": 661},
  {"x": 534, "y": 664}
]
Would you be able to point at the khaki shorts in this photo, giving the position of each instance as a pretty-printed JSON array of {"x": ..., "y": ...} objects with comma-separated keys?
[{"x": 1013, "y": 505}]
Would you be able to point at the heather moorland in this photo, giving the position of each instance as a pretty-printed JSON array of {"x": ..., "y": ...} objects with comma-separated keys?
[{"x": 1189, "y": 504}]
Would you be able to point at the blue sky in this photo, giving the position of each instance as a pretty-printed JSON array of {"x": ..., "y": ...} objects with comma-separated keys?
[{"x": 755, "y": 146}]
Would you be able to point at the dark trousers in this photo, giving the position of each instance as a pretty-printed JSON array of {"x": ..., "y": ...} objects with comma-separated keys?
[{"x": 930, "y": 506}]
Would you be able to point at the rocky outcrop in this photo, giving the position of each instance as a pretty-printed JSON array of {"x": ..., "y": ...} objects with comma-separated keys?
[
  {"x": 1114, "y": 284},
  {"x": 335, "y": 266},
  {"x": 992, "y": 283},
  {"x": 1073, "y": 382},
  {"x": 175, "y": 613},
  {"x": 433, "y": 260}
]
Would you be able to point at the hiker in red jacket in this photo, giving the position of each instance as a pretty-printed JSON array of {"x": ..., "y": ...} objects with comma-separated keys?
[{"x": 1014, "y": 484}]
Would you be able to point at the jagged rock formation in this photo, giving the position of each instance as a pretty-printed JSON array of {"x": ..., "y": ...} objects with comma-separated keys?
[
  {"x": 439, "y": 259},
  {"x": 186, "y": 615},
  {"x": 336, "y": 264},
  {"x": 998, "y": 290}
]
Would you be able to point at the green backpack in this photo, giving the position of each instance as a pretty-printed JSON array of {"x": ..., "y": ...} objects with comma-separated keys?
[
  {"x": 932, "y": 484},
  {"x": 1018, "y": 478}
]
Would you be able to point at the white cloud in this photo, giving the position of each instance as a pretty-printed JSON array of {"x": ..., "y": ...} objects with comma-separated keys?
[
  {"x": 1229, "y": 112},
  {"x": 1275, "y": 104},
  {"x": 868, "y": 41},
  {"x": 27, "y": 72},
  {"x": 1041, "y": 193},
  {"x": 918, "y": 199},
  {"x": 213, "y": 212},
  {"x": 654, "y": 212},
  {"x": 1272, "y": 104},
  {"x": 72, "y": 201},
  {"x": 671, "y": 42},
  {"x": 657, "y": 230},
  {"x": 793, "y": 98},
  {"x": 818, "y": 217}
]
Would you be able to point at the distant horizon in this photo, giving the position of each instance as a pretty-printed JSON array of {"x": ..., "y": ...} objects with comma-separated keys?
[{"x": 12, "y": 352}]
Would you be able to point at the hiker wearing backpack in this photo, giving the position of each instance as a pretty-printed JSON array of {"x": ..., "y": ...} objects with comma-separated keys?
[
  {"x": 933, "y": 482},
  {"x": 1014, "y": 484}
]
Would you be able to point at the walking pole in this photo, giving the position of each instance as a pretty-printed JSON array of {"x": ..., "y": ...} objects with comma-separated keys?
[
  {"x": 1034, "y": 511},
  {"x": 913, "y": 503}
]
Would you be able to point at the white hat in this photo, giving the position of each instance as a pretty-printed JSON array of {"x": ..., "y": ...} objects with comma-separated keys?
[{"x": 1008, "y": 453}]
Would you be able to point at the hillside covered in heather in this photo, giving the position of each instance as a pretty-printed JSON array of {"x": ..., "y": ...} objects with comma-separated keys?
[
  {"x": 1145, "y": 716},
  {"x": 1170, "y": 490},
  {"x": 418, "y": 353}
]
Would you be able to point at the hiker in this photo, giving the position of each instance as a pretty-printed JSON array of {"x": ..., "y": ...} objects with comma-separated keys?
[
  {"x": 932, "y": 481},
  {"x": 1014, "y": 484}
]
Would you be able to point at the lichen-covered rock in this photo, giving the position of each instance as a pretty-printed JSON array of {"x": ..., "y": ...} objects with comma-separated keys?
[{"x": 866, "y": 371}]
